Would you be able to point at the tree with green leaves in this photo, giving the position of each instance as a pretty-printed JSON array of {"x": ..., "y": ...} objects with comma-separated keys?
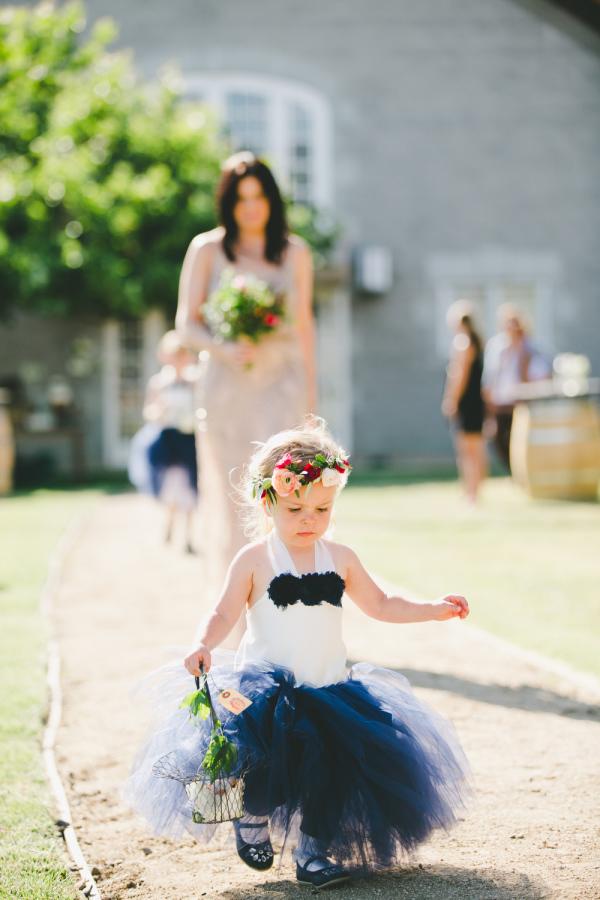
[{"x": 103, "y": 179}]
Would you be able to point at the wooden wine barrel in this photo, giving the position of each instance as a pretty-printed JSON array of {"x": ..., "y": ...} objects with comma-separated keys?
[
  {"x": 7, "y": 446},
  {"x": 555, "y": 447}
]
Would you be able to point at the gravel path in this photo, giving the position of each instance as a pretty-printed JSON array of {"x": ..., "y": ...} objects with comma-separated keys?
[{"x": 532, "y": 736}]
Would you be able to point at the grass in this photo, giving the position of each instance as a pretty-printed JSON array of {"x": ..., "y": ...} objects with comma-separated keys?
[
  {"x": 33, "y": 864},
  {"x": 530, "y": 569}
]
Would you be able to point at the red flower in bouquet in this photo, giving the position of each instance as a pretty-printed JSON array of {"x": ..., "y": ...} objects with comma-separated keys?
[{"x": 243, "y": 306}]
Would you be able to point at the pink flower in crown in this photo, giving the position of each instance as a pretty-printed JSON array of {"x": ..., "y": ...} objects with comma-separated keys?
[
  {"x": 285, "y": 482},
  {"x": 284, "y": 462}
]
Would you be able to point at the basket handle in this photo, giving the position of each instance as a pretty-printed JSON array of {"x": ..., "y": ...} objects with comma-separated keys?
[{"x": 213, "y": 714}]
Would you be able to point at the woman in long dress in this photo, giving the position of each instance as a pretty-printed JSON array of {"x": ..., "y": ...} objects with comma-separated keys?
[{"x": 249, "y": 391}]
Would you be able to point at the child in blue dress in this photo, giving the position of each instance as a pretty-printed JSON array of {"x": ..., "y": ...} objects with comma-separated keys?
[
  {"x": 162, "y": 459},
  {"x": 345, "y": 761}
]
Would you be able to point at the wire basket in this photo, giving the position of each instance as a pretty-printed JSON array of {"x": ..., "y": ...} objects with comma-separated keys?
[{"x": 213, "y": 797}]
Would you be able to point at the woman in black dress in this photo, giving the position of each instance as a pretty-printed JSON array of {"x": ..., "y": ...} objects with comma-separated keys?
[{"x": 463, "y": 403}]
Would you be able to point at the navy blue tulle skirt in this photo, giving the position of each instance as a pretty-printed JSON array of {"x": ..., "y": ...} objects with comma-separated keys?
[
  {"x": 155, "y": 452},
  {"x": 361, "y": 765}
]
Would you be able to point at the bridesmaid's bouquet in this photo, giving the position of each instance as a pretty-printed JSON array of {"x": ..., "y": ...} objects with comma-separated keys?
[{"x": 243, "y": 306}]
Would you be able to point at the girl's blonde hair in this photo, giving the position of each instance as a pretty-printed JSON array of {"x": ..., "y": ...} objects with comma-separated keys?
[{"x": 302, "y": 443}]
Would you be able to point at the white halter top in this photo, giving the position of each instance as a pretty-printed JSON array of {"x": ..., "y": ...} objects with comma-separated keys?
[
  {"x": 178, "y": 406},
  {"x": 305, "y": 639}
]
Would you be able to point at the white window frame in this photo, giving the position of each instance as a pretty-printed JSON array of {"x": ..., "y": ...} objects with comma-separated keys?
[
  {"x": 279, "y": 94},
  {"x": 115, "y": 447},
  {"x": 493, "y": 271}
]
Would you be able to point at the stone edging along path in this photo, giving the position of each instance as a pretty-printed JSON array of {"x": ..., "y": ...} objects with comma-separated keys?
[{"x": 87, "y": 884}]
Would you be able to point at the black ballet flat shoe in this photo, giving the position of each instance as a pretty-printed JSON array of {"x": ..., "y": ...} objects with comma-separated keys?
[
  {"x": 257, "y": 856},
  {"x": 322, "y": 878}
]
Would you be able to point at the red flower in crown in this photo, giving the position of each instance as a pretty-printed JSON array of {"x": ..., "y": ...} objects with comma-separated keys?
[
  {"x": 284, "y": 462},
  {"x": 310, "y": 472}
]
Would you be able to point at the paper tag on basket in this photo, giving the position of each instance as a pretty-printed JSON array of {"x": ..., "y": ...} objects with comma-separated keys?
[{"x": 234, "y": 701}]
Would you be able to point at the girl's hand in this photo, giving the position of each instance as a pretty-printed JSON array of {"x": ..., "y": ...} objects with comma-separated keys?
[
  {"x": 451, "y": 607},
  {"x": 199, "y": 658}
]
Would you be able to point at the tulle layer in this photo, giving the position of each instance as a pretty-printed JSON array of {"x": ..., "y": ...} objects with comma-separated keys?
[
  {"x": 154, "y": 453},
  {"x": 361, "y": 765}
]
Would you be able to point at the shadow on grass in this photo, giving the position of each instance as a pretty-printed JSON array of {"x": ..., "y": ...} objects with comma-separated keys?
[
  {"x": 428, "y": 883},
  {"x": 526, "y": 697}
]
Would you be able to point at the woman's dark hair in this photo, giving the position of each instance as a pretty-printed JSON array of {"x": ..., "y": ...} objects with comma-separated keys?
[
  {"x": 242, "y": 165},
  {"x": 474, "y": 336}
]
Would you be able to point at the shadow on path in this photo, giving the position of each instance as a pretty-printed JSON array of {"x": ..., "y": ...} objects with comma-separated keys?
[
  {"x": 432, "y": 883},
  {"x": 526, "y": 697}
]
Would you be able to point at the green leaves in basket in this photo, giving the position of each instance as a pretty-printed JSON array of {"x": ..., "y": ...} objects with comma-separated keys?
[
  {"x": 221, "y": 756},
  {"x": 198, "y": 703}
]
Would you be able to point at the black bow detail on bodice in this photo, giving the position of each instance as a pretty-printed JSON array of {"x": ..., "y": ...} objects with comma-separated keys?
[{"x": 310, "y": 590}]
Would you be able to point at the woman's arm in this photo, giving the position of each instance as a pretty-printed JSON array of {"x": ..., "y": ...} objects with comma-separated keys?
[
  {"x": 194, "y": 283},
  {"x": 361, "y": 588},
  {"x": 193, "y": 289},
  {"x": 238, "y": 586},
  {"x": 458, "y": 376},
  {"x": 305, "y": 322}
]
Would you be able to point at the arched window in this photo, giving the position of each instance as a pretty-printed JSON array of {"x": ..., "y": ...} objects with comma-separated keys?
[{"x": 286, "y": 122}]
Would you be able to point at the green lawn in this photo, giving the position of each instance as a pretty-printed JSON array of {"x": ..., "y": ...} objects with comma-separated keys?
[
  {"x": 530, "y": 569},
  {"x": 32, "y": 861}
]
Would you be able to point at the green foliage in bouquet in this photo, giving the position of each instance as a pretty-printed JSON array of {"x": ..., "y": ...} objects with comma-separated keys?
[
  {"x": 221, "y": 755},
  {"x": 243, "y": 307}
]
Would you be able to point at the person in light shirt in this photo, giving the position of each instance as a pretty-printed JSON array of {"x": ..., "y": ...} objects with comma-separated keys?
[{"x": 510, "y": 360}]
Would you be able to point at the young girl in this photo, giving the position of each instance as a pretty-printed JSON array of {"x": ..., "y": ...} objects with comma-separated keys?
[
  {"x": 163, "y": 453},
  {"x": 348, "y": 762}
]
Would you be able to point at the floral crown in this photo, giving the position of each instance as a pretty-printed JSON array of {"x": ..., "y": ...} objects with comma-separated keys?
[{"x": 289, "y": 476}]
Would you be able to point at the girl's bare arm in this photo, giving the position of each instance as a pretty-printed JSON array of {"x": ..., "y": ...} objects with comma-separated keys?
[
  {"x": 193, "y": 289},
  {"x": 238, "y": 586},
  {"x": 369, "y": 597}
]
